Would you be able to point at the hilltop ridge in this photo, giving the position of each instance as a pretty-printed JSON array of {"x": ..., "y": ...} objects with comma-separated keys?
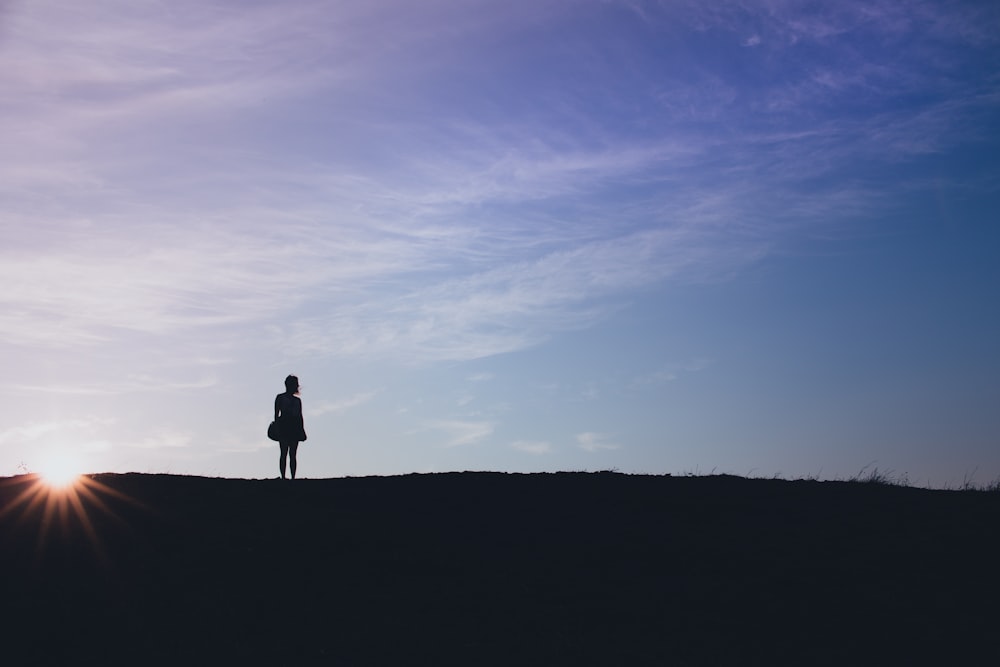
[{"x": 499, "y": 569}]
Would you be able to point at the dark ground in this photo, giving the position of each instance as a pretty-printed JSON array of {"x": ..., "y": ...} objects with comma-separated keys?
[{"x": 496, "y": 569}]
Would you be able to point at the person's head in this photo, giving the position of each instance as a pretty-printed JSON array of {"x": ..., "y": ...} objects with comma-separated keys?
[{"x": 292, "y": 384}]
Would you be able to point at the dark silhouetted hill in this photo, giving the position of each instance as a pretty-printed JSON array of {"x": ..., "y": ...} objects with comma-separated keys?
[{"x": 499, "y": 569}]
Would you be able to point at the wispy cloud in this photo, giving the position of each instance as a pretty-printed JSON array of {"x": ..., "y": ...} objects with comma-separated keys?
[
  {"x": 512, "y": 306},
  {"x": 654, "y": 378},
  {"x": 163, "y": 440},
  {"x": 132, "y": 384},
  {"x": 670, "y": 372},
  {"x": 536, "y": 447},
  {"x": 341, "y": 405},
  {"x": 67, "y": 429},
  {"x": 462, "y": 229},
  {"x": 462, "y": 432},
  {"x": 595, "y": 442}
]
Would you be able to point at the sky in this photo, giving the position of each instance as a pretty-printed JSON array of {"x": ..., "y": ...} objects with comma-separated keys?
[{"x": 754, "y": 238}]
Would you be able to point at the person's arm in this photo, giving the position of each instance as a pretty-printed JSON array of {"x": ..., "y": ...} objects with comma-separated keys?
[{"x": 277, "y": 409}]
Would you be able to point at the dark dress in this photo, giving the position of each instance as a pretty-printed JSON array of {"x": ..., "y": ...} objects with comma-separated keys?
[{"x": 288, "y": 417}]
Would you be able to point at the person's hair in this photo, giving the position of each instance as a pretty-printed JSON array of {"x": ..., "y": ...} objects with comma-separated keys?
[{"x": 292, "y": 384}]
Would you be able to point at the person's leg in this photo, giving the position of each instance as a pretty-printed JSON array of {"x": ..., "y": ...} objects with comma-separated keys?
[
  {"x": 293, "y": 448},
  {"x": 281, "y": 461}
]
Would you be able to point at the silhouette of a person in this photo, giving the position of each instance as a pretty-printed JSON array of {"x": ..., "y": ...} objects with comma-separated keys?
[{"x": 288, "y": 417}]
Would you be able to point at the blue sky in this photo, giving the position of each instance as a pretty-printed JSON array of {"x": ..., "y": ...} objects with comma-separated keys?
[{"x": 755, "y": 238}]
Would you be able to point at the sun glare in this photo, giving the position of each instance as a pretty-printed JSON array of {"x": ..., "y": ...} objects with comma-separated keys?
[
  {"x": 60, "y": 473},
  {"x": 60, "y": 479},
  {"x": 61, "y": 498}
]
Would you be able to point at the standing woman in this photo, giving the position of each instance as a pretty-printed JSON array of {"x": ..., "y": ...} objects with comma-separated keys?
[{"x": 288, "y": 417}]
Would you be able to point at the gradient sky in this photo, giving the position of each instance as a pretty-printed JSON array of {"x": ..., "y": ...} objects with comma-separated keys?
[{"x": 662, "y": 237}]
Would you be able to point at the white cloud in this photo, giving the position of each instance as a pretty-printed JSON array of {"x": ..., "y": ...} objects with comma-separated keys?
[
  {"x": 340, "y": 405},
  {"x": 465, "y": 238},
  {"x": 163, "y": 440},
  {"x": 69, "y": 389},
  {"x": 455, "y": 239},
  {"x": 654, "y": 378},
  {"x": 532, "y": 446},
  {"x": 36, "y": 442},
  {"x": 29, "y": 431},
  {"x": 462, "y": 432},
  {"x": 516, "y": 304},
  {"x": 671, "y": 372},
  {"x": 595, "y": 442},
  {"x": 130, "y": 384}
]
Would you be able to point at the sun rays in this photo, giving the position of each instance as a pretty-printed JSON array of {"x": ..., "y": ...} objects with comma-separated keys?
[{"x": 61, "y": 500}]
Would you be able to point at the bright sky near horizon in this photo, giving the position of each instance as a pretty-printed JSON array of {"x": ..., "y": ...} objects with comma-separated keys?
[{"x": 663, "y": 237}]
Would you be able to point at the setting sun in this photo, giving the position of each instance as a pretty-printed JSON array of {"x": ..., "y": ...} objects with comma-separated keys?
[
  {"x": 63, "y": 500},
  {"x": 60, "y": 471}
]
